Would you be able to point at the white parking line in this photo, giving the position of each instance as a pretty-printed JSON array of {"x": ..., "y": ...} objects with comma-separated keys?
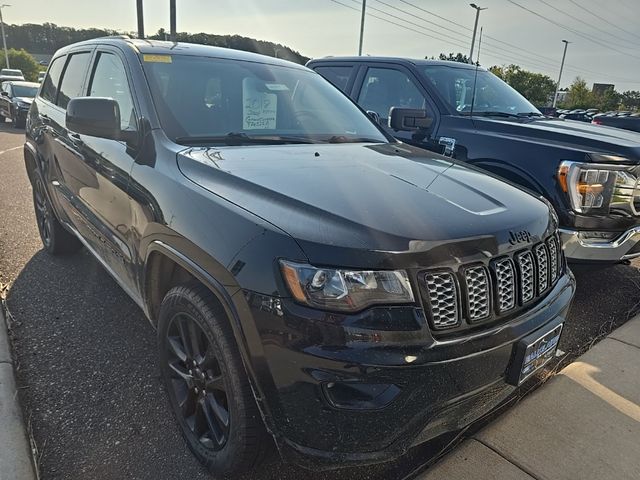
[{"x": 10, "y": 149}]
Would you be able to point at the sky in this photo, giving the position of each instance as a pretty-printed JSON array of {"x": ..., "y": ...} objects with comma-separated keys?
[{"x": 604, "y": 48}]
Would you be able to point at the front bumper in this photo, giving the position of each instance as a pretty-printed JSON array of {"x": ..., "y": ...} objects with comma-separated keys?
[
  {"x": 579, "y": 249},
  {"x": 415, "y": 386}
]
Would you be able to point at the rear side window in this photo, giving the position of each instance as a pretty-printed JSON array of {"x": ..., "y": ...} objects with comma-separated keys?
[
  {"x": 109, "y": 79},
  {"x": 338, "y": 76},
  {"x": 49, "y": 89}
]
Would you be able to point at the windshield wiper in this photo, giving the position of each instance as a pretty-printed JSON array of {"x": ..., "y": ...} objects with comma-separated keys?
[
  {"x": 496, "y": 114},
  {"x": 530, "y": 114},
  {"x": 240, "y": 138},
  {"x": 346, "y": 139}
]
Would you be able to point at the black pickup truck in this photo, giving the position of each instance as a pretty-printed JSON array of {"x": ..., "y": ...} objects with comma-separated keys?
[
  {"x": 589, "y": 173},
  {"x": 308, "y": 275}
]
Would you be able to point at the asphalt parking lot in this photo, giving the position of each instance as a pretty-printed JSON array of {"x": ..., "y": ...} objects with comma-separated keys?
[{"x": 87, "y": 371}]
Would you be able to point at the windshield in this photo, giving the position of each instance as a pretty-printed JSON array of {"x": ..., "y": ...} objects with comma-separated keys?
[
  {"x": 24, "y": 91},
  {"x": 455, "y": 86},
  {"x": 211, "y": 100}
]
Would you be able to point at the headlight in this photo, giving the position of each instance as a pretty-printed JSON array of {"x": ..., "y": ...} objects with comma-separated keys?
[
  {"x": 600, "y": 189},
  {"x": 23, "y": 104},
  {"x": 346, "y": 290}
]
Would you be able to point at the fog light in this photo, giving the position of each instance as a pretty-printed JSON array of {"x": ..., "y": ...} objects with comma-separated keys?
[{"x": 360, "y": 396}]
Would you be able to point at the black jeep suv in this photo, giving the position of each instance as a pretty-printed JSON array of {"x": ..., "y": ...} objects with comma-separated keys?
[
  {"x": 590, "y": 174},
  {"x": 308, "y": 276}
]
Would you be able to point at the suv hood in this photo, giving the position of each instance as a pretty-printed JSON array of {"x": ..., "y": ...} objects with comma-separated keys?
[
  {"x": 368, "y": 198},
  {"x": 28, "y": 100},
  {"x": 569, "y": 134}
]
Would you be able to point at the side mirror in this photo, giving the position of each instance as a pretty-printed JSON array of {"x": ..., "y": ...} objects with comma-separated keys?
[
  {"x": 409, "y": 119},
  {"x": 95, "y": 116},
  {"x": 4, "y": 94},
  {"x": 374, "y": 116}
]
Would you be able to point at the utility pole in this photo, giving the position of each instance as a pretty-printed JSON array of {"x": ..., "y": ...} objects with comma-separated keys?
[
  {"x": 364, "y": 12},
  {"x": 140, "y": 19},
  {"x": 4, "y": 37},
  {"x": 172, "y": 20},
  {"x": 564, "y": 55},
  {"x": 475, "y": 29}
]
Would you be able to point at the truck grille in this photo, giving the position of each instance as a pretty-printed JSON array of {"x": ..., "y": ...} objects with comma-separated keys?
[{"x": 479, "y": 293}]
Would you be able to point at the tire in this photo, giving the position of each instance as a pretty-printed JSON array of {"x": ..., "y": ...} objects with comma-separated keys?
[
  {"x": 207, "y": 384},
  {"x": 55, "y": 238}
]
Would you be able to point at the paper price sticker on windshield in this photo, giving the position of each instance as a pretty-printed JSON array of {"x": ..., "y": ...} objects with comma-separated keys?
[
  {"x": 259, "y": 108},
  {"x": 157, "y": 58}
]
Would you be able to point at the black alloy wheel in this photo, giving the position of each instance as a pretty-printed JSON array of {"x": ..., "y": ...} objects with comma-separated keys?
[
  {"x": 207, "y": 384},
  {"x": 197, "y": 382},
  {"x": 43, "y": 213}
]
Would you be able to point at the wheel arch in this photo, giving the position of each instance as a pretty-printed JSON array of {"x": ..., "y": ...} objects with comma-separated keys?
[{"x": 159, "y": 255}]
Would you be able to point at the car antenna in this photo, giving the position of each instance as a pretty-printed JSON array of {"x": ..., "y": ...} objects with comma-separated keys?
[{"x": 475, "y": 77}]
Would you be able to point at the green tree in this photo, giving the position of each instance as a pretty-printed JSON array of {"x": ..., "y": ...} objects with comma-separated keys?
[
  {"x": 579, "y": 95},
  {"x": 22, "y": 60},
  {"x": 535, "y": 87},
  {"x": 608, "y": 100},
  {"x": 453, "y": 57},
  {"x": 630, "y": 99}
]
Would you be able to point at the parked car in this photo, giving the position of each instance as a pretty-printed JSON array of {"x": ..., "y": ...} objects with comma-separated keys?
[
  {"x": 627, "y": 122},
  {"x": 41, "y": 76},
  {"x": 305, "y": 271},
  {"x": 7, "y": 74},
  {"x": 15, "y": 100},
  {"x": 588, "y": 174},
  {"x": 578, "y": 115}
]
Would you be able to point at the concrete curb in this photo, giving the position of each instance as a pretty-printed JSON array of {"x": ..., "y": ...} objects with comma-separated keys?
[{"x": 15, "y": 453}]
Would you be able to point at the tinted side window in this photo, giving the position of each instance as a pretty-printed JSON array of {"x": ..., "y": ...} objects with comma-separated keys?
[
  {"x": 384, "y": 88},
  {"x": 73, "y": 78},
  {"x": 338, "y": 76},
  {"x": 49, "y": 89},
  {"x": 109, "y": 79}
]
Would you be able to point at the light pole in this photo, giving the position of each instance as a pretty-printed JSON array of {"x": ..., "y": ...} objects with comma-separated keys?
[
  {"x": 564, "y": 55},
  {"x": 475, "y": 29},
  {"x": 140, "y": 18},
  {"x": 364, "y": 11},
  {"x": 4, "y": 38},
  {"x": 172, "y": 20}
]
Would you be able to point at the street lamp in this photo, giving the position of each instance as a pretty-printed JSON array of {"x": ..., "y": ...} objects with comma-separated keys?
[
  {"x": 4, "y": 38},
  {"x": 564, "y": 54},
  {"x": 475, "y": 29}
]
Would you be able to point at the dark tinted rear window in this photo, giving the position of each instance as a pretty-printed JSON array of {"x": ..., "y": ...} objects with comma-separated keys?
[
  {"x": 50, "y": 84},
  {"x": 338, "y": 76},
  {"x": 73, "y": 78}
]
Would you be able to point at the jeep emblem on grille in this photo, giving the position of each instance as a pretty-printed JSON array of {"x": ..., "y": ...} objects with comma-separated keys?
[{"x": 519, "y": 237}]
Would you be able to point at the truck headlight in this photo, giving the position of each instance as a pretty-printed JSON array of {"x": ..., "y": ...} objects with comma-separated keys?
[
  {"x": 345, "y": 290},
  {"x": 600, "y": 189},
  {"x": 23, "y": 104}
]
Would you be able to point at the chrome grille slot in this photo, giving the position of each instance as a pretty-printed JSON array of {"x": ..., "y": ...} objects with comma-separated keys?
[
  {"x": 505, "y": 285},
  {"x": 554, "y": 260},
  {"x": 477, "y": 281},
  {"x": 527, "y": 276},
  {"x": 542, "y": 262},
  {"x": 443, "y": 299}
]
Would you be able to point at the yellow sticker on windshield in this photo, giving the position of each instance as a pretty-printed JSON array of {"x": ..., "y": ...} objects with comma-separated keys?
[{"x": 157, "y": 58}]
